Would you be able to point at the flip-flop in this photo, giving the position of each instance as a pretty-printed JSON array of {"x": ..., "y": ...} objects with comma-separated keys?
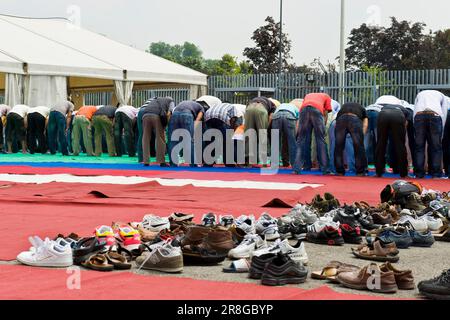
[
  {"x": 98, "y": 262},
  {"x": 238, "y": 266},
  {"x": 118, "y": 261},
  {"x": 330, "y": 271}
]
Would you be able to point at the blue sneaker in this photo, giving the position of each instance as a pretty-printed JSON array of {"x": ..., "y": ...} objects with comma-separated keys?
[
  {"x": 421, "y": 239},
  {"x": 402, "y": 240}
]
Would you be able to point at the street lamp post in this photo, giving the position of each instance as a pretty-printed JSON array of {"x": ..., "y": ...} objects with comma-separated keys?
[
  {"x": 342, "y": 56},
  {"x": 280, "y": 53}
]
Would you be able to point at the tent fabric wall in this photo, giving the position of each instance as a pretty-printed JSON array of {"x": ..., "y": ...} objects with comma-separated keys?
[
  {"x": 78, "y": 52},
  {"x": 45, "y": 90},
  {"x": 123, "y": 90},
  {"x": 14, "y": 89}
]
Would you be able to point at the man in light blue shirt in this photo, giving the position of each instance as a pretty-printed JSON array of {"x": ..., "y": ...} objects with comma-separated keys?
[{"x": 285, "y": 119}]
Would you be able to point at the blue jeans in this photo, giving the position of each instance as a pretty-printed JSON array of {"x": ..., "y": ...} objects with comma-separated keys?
[
  {"x": 352, "y": 125},
  {"x": 311, "y": 119},
  {"x": 349, "y": 153},
  {"x": 181, "y": 120},
  {"x": 222, "y": 127},
  {"x": 285, "y": 122},
  {"x": 57, "y": 132},
  {"x": 428, "y": 128},
  {"x": 370, "y": 139}
]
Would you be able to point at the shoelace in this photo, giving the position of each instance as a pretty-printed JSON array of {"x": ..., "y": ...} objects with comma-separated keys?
[
  {"x": 165, "y": 244},
  {"x": 444, "y": 277}
]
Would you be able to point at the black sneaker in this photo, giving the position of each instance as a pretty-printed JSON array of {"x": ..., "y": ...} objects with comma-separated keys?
[
  {"x": 351, "y": 234},
  {"x": 209, "y": 220},
  {"x": 226, "y": 221},
  {"x": 325, "y": 235},
  {"x": 437, "y": 288},
  {"x": 346, "y": 216},
  {"x": 258, "y": 265},
  {"x": 293, "y": 230},
  {"x": 283, "y": 270}
]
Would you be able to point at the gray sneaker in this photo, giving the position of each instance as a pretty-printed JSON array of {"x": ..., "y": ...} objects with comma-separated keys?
[{"x": 164, "y": 258}]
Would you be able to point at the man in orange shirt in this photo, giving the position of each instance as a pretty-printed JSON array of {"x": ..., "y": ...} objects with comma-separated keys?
[
  {"x": 82, "y": 129},
  {"x": 313, "y": 116}
]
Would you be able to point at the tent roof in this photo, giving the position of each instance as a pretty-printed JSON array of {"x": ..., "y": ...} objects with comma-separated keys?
[{"x": 54, "y": 46}]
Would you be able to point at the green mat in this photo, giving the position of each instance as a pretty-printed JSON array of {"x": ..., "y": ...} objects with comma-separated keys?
[{"x": 82, "y": 158}]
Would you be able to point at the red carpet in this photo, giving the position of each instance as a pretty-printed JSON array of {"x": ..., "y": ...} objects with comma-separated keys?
[
  {"x": 20, "y": 282},
  {"x": 49, "y": 209}
]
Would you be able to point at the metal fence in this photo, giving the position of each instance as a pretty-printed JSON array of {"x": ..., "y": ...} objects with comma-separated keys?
[
  {"x": 138, "y": 97},
  {"x": 362, "y": 87}
]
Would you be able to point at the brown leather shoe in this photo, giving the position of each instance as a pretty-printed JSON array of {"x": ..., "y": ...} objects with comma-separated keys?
[
  {"x": 195, "y": 235},
  {"x": 369, "y": 278},
  {"x": 219, "y": 240},
  {"x": 237, "y": 233},
  {"x": 382, "y": 218},
  {"x": 388, "y": 253},
  {"x": 404, "y": 279}
]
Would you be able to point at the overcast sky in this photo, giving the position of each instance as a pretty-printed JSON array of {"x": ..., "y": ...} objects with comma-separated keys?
[{"x": 226, "y": 26}]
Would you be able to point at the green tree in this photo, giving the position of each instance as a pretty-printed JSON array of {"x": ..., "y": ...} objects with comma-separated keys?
[
  {"x": 401, "y": 46},
  {"x": 264, "y": 56}
]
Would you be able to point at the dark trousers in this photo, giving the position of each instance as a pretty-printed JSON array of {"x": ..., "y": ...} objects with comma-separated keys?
[
  {"x": 428, "y": 128},
  {"x": 181, "y": 120},
  {"x": 1, "y": 135},
  {"x": 15, "y": 128},
  {"x": 36, "y": 133},
  {"x": 152, "y": 126},
  {"x": 311, "y": 119},
  {"x": 446, "y": 146},
  {"x": 371, "y": 136},
  {"x": 222, "y": 127},
  {"x": 123, "y": 129},
  {"x": 285, "y": 122},
  {"x": 391, "y": 125},
  {"x": 57, "y": 132},
  {"x": 350, "y": 124}
]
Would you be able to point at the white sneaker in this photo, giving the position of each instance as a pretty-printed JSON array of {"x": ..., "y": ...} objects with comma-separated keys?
[
  {"x": 246, "y": 224},
  {"x": 411, "y": 222},
  {"x": 267, "y": 227},
  {"x": 154, "y": 223},
  {"x": 296, "y": 252},
  {"x": 250, "y": 243},
  {"x": 46, "y": 253},
  {"x": 320, "y": 224},
  {"x": 434, "y": 224}
]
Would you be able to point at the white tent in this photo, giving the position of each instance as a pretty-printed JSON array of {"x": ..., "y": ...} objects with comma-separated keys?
[{"x": 56, "y": 49}]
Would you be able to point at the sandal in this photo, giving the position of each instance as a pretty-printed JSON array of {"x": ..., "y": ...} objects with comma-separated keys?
[
  {"x": 118, "y": 261},
  {"x": 98, "y": 262},
  {"x": 378, "y": 253},
  {"x": 332, "y": 270},
  {"x": 238, "y": 266},
  {"x": 85, "y": 248}
]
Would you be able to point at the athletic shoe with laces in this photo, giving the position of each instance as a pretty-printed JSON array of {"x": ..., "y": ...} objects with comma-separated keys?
[
  {"x": 437, "y": 288},
  {"x": 46, "y": 253},
  {"x": 246, "y": 223},
  {"x": 105, "y": 235},
  {"x": 179, "y": 216},
  {"x": 209, "y": 220},
  {"x": 164, "y": 258},
  {"x": 154, "y": 223},
  {"x": 325, "y": 233},
  {"x": 421, "y": 239},
  {"x": 294, "y": 230},
  {"x": 351, "y": 234},
  {"x": 267, "y": 227},
  {"x": 412, "y": 222},
  {"x": 250, "y": 243},
  {"x": 296, "y": 252},
  {"x": 226, "y": 221},
  {"x": 301, "y": 212},
  {"x": 434, "y": 224},
  {"x": 347, "y": 216}
]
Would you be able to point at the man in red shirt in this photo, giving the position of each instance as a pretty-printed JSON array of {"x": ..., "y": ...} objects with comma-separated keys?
[{"x": 313, "y": 116}]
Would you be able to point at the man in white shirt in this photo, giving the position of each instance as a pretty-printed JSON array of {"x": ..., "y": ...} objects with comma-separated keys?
[
  {"x": 125, "y": 118},
  {"x": 430, "y": 115},
  {"x": 391, "y": 125},
  {"x": 4, "y": 109},
  {"x": 16, "y": 125},
  {"x": 37, "y": 124}
]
